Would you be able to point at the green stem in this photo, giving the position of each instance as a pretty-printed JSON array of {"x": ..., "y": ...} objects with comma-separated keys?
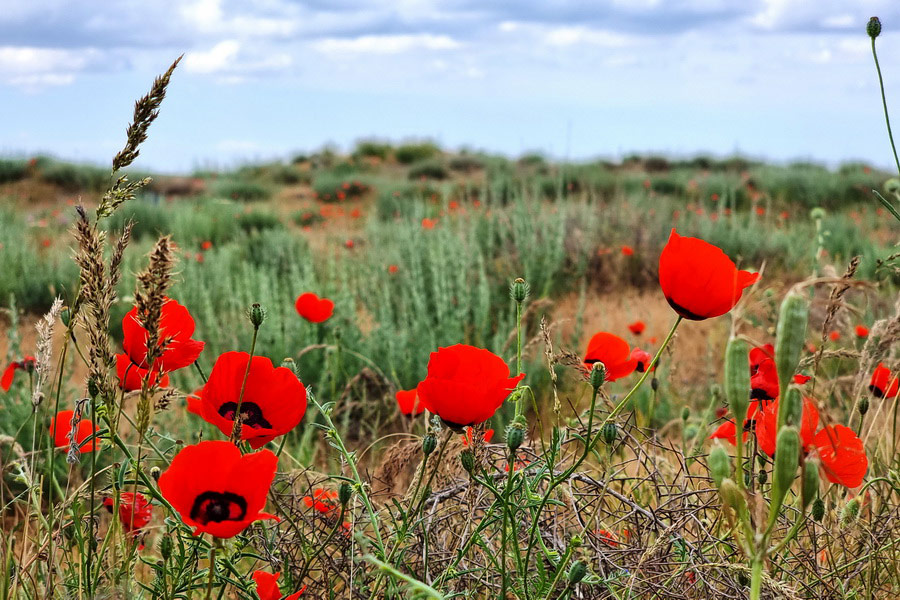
[
  {"x": 236, "y": 430},
  {"x": 887, "y": 118},
  {"x": 756, "y": 578},
  {"x": 212, "y": 567}
]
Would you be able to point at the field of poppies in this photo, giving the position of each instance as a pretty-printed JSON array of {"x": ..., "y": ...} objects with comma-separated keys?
[{"x": 408, "y": 373}]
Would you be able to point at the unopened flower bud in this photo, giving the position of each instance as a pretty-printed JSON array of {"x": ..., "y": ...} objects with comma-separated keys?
[
  {"x": 609, "y": 433},
  {"x": 598, "y": 375},
  {"x": 762, "y": 477},
  {"x": 863, "y": 405},
  {"x": 519, "y": 290},
  {"x": 810, "y": 488},
  {"x": 850, "y": 511},
  {"x": 345, "y": 492},
  {"x": 577, "y": 572},
  {"x": 289, "y": 363},
  {"x": 165, "y": 547},
  {"x": 719, "y": 465},
  {"x": 818, "y": 510},
  {"x": 257, "y": 315},
  {"x": 468, "y": 460},
  {"x": 429, "y": 443},
  {"x": 685, "y": 413},
  {"x": 873, "y": 27},
  {"x": 731, "y": 495},
  {"x": 654, "y": 384},
  {"x": 515, "y": 435},
  {"x": 575, "y": 541},
  {"x": 155, "y": 473}
]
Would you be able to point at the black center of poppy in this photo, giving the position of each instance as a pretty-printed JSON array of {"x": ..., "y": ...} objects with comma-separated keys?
[
  {"x": 876, "y": 391},
  {"x": 684, "y": 312},
  {"x": 760, "y": 394},
  {"x": 217, "y": 507},
  {"x": 251, "y": 414},
  {"x": 641, "y": 367}
]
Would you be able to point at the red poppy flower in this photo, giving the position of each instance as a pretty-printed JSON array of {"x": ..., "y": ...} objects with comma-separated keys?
[
  {"x": 134, "y": 511},
  {"x": 767, "y": 422},
  {"x": 627, "y": 250},
  {"x": 607, "y": 537},
  {"x": 322, "y": 500},
  {"x": 216, "y": 490},
  {"x": 637, "y": 328},
  {"x": 407, "y": 401},
  {"x": 393, "y": 269},
  {"x": 428, "y": 223},
  {"x": 267, "y": 587},
  {"x": 274, "y": 400},
  {"x": 842, "y": 454},
  {"x": 759, "y": 355},
  {"x": 131, "y": 376},
  {"x": 613, "y": 352},
  {"x": 467, "y": 439},
  {"x": 314, "y": 309},
  {"x": 862, "y": 331},
  {"x": 834, "y": 336},
  {"x": 465, "y": 385},
  {"x": 61, "y": 431},
  {"x": 643, "y": 359},
  {"x": 176, "y": 326},
  {"x": 764, "y": 383},
  {"x": 698, "y": 280},
  {"x": 882, "y": 384},
  {"x": 800, "y": 378},
  {"x": 26, "y": 364},
  {"x": 206, "y": 245}
]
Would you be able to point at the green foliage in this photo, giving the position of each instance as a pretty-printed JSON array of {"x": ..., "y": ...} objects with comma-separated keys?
[
  {"x": 241, "y": 190},
  {"x": 407, "y": 154},
  {"x": 429, "y": 169}
]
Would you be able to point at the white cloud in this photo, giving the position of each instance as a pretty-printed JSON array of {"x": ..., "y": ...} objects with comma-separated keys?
[
  {"x": 30, "y": 67},
  {"x": 570, "y": 36},
  {"x": 218, "y": 58},
  {"x": 385, "y": 44},
  {"x": 208, "y": 17}
]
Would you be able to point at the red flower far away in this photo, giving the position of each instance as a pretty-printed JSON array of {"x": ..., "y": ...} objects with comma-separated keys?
[
  {"x": 314, "y": 309},
  {"x": 322, "y": 500},
  {"x": 267, "y": 587},
  {"x": 176, "y": 326},
  {"x": 6, "y": 380},
  {"x": 627, "y": 251},
  {"x": 61, "y": 432},
  {"x": 698, "y": 280},
  {"x": 613, "y": 352},
  {"x": 834, "y": 336},
  {"x": 643, "y": 359},
  {"x": 637, "y": 328},
  {"x": 465, "y": 385},
  {"x": 273, "y": 403},
  {"x": 216, "y": 490},
  {"x": 862, "y": 331},
  {"x": 408, "y": 402},
  {"x": 134, "y": 511},
  {"x": 131, "y": 376},
  {"x": 883, "y": 384}
]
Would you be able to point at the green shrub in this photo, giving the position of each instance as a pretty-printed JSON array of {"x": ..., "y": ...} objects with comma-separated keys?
[
  {"x": 412, "y": 153},
  {"x": 241, "y": 190},
  {"x": 429, "y": 169},
  {"x": 13, "y": 170}
]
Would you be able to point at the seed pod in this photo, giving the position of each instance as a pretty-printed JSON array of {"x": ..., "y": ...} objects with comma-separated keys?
[
  {"x": 577, "y": 572},
  {"x": 818, "y": 510},
  {"x": 793, "y": 410},
  {"x": 598, "y": 374},
  {"x": 732, "y": 496},
  {"x": 762, "y": 477},
  {"x": 345, "y": 492},
  {"x": 737, "y": 378},
  {"x": 155, "y": 473},
  {"x": 165, "y": 547},
  {"x": 257, "y": 315},
  {"x": 515, "y": 435},
  {"x": 289, "y": 363},
  {"x": 429, "y": 443},
  {"x": 810, "y": 481},
  {"x": 873, "y": 27},
  {"x": 468, "y": 460},
  {"x": 654, "y": 383},
  {"x": 519, "y": 290},
  {"x": 609, "y": 433},
  {"x": 788, "y": 445},
  {"x": 863, "y": 405},
  {"x": 790, "y": 337},
  {"x": 719, "y": 465},
  {"x": 850, "y": 511}
]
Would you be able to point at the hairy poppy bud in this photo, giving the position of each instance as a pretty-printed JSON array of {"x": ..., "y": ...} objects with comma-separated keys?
[
  {"x": 731, "y": 495},
  {"x": 515, "y": 435},
  {"x": 468, "y": 460},
  {"x": 790, "y": 336},
  {"x": 762, "y": 477},
  {"x": 654, "y": 384},
  {"x": 788, "y": 444},
  {"x": 609, "y": 432},
  {"x": 575, "y": 541},
  {"x": 793, "y": 411},
  {"x": 288, "y": 363},
  {"x": 598, "y": 374},
  {"x": 737, "y": 378},
  {"x": 685, "y": 413},
  {"x": 577, "y": 572},
  {"x": 873, "y": 27},
  {"x": 257, "y": 315},
  {"x": 863, "y": 405},
  {"x": 165, "y": 547},
  {"x": 892, "y": 186},
  {"x": 345, "y": 492},
  {"x": 850, "y": 511},
  {"x": 429, "y": 443},
  {"x": 519, "y": 290},
  {"x": 719, "y": 465},
  {"x": 810, "y": 482},
  {"x": 818, "y": 510}
]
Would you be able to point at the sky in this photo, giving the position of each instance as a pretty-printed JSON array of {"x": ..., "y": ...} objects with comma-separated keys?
[{"x": 775, "y": 79}]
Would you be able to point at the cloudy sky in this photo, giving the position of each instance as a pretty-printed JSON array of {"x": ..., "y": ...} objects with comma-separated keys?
[{"x": 781, "y": 79}]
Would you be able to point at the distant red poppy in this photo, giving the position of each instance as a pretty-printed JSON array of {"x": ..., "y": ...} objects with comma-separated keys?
[
  {"x": 314, "y": 309},
  {"x": 627, "y": 251},
  {"x": 862, "y": 331},
  {"x": 637, "y": 328},
  {"x": 267, "y": 587},
  {"x": 882, "y": 384},
  {"x": 216, "y": 490},
  {"x": 607, "y": 537},
  {"x": 134, "y": 511},
  {"x": 487, "y": 437},
  {"x": 834, "y": 336},
  {"x": 800, "y": 378},
  {"x": 61, "y": 431},
  {"x": 176, "y": 326},
  {"x": 698, "y": 280},
  {"x": 428, "y": 223},
  {"x": 613, "y": 352},
  {"x": 206, "y": 245},
  {"x": 324, "y": 501},
  {"x": 274, "y": 400},
  {"x": 643, "y": 359},
  {"x": 392, "y": 269},
  {"x": 408, "y": 403},
  {"x": 131, "y": 376},
  {"x": 466, "y": 385},
  {"x": 355, "y": 213},
  {"x": 6, "y": 380}
]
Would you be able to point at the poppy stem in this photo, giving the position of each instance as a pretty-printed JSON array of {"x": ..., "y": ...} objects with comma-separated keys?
[
  {"x": 887, "y": 118},
  {"x": 236, "y": 430},
  {"x": 212, "y": 567}
]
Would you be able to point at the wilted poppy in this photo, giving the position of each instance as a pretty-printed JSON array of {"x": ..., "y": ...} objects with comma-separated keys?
[
  {"x": 273, "y": 403},
  {"x": 643, "y": 359},
  {"x": 637, "y": 328},
  {"x": 216, "y": 490},
  {"x": 466, "y": 385},
  {"x": 131, "y": 376},
  {"x": 862, "y": 331},
  {"x": 176, "y": 326},
  {"x": 698, "y": 280},
  {"x": 61, "y": 431},
  {"x": 314, "y": 309},
  {"x": 613, "y": 352},
  {"x": 26, "y": 364},
  {"x": 267, "y": 587},
  {"x": 408, "y": 403},
  {"x": 882, "y": 384},
  {"x": 134, "y": 511}
]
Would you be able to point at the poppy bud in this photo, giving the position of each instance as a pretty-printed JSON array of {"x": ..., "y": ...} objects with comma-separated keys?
[
  {"x": 863, "y": 405},
  {"x": 719, "y": 465},
  {"x": 345, "y": 492},
  {"x": 257, "y": 315},
  {"x": 790, "y": 337},
  {"x": 793, "y": 411},
  {"x": 873, "y": 27},
  {"x": 519, "y": 290},
  {"x": 892, "y": 186},
  {"x": 810, "y": 482},
  {"x": 165, "y": 547},
  {"x": 850, "y": 511},
  {"x": 598, "y": 375},
  {"x": 154, "y": 473},
  {"x": 685, "y": 413},
  {"x": 577, "y": 572},
  {"x": 288, "y": 363},
  {"x": 731, "y": 495},
  {"x": 762, "y": 477},
  {"x": 429, "y": 443},
  {"x": 817, "y": 214},
  {"x": 818, "y": 510},
  {"x": 654, "y": 384},
  {"x": 575, "y": 541},
  {"x": 609, "y": 432},
  {"x": 515, "y": 435},
  {"x": 788, "y": 444},
  {"x": 737, "y": 378},
  {"x": 468, "y": 460}
]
